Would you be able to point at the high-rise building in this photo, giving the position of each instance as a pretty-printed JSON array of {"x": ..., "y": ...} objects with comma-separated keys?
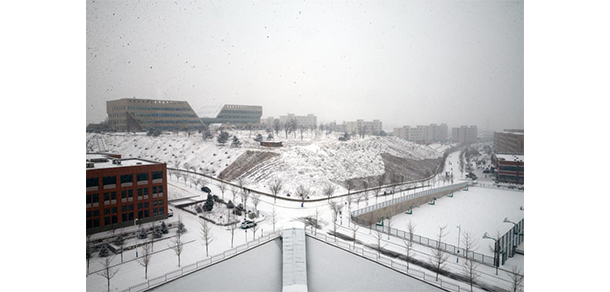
[
  {"x": 131, "y": 114},
  {"x": 464, "y": 134},
  {"x": 431, "y": 133},
  {"x": 509, "y": 142},
  {"x": 119, "y": 191}
]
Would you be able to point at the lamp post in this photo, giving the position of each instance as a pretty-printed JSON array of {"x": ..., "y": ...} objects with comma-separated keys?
[
  {"x": 515, "y": 232},
  {"x": 457, "y": 260},
  {"x": 496, "y": 258}
]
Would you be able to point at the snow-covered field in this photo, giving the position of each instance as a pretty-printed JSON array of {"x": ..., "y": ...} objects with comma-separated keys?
[{"x": 476, "y": 211}]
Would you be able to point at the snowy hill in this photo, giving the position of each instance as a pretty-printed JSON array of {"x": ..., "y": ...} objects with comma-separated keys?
[{"x": 312, "y": 162}]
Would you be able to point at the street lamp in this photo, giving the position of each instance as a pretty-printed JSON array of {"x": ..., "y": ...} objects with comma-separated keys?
[
  {"x": 515, "y": 232},
  {"x": 496, "y": 257},
  {"x": 457, "y": 260}
]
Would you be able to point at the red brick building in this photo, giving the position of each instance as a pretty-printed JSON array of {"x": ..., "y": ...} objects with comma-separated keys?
[
  {"x": 508, "y": 167},
  {"x": 122, "y": 190}
]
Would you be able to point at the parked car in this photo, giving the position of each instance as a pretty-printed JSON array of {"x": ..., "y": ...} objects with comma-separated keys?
[
  {"x": 247, "y": 224},
  {"x": 206, "y": 189},
  {"x": 240, "y": 207},
  {"x": 170, "y": 213}
]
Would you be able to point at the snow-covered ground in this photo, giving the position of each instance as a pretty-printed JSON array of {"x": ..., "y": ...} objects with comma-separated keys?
[
  {"x": 448, "y": 211},
  {"x": 314, "y": 161}
]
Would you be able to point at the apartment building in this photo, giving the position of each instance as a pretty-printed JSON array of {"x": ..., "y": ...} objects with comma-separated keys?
[
  {"x": 373, "y": 127},
  {"x": 509, "y": 142},
  {"x": 430, "y": 133},
  {"x": 119, "y": 191},
  {"x": 464, "y": 134},
  {"x": 134, "y": 114},
  {"x": 308, "y": 121}
]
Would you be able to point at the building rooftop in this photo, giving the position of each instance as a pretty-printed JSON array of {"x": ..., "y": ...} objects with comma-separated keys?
[
  {"x": 510, "y": 157},
  {"x": 97, "y": 161}
]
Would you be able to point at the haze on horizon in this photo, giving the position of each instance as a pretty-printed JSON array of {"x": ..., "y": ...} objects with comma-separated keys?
[{"x": 402, "y": 62}]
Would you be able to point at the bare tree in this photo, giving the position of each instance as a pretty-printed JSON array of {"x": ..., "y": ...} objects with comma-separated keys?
[
  {"x": 206, "y": 235},
  {"x": 394, "y": 180},
  {"x": 144, "y": 260},
  {"x": 409, "y": 242},
  {"x": 349, "y": 185},
  {"x": 152, "y": 238},
  {"x": 389, "y": 225},
  {"x": 273, "y": 217},
  {"x": 302, "y": 192},
  {"x": 177, "y": 241},
  {"x": 89, "y": 251},
  {"x": 516, "y": 279},
  {"x": 107, "y": 271},
  {"x": 254, "y": 229},
  {"x": 234, "y": 191},
  {"x": 355, "y": 228},
  {"x": 469, "y": 267},
  {"x": 335, "y": 208},
  {"x": 439, "y": 257},
  {"x": 378, "y": 235},
  {"x": 317, "y": 215},
  {"x": 381, "y": 179},
  {"x": 120, "y": 242},
  {"x": 232, "y": 227},
  {"x": 376, "y": 191},
  {"x": 328, "y": 191},
  {"x": 222, "y": 187},
  {"x": 276, "y": 187},
  {"x": 256, "y": 199}
]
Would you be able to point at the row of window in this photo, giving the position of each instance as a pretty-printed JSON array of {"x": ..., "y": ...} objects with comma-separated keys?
[
  {"x": 511, "y": 168},
  {"x": 125, "y": 209},
  {"x": 153, "y": 108},
  {"x": 125, "y": 194},
  {"x": 113, "y": 219},
  {"x": 197, "y": 121},
  {"x": 126, "y": 178},
  {"x": 165, "y": 115}
]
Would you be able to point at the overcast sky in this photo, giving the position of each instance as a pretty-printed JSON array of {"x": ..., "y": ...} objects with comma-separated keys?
[{"x": 403, "y": 62}]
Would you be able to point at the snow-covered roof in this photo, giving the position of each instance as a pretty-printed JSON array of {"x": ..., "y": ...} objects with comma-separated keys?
[
  {"x": 510, "y": 157},
  {"x": 104, "y": 161}
]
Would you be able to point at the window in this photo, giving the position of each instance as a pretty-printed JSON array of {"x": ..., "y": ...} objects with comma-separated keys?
[
  {"x": 107, "y": 211},
  {"x": 109, "y": 180},
  {"x": 157, "y": 174},
  {"x": 95, "y": 198},
  {"x": 126, "y": 178},
  {"x": 130, "y": 193},
  {"x": 142, "y": 176},
  {"x": 106, "y": 196},
  {"x": 139, "y": 192},
  {"x": 95, "y": 213},
  {"x": 146, "y": 191},
  {"x": 124, "y": 194},
  {"x": 113, "y": 195},
  {"x": 88, "y": 199},
  {"x": 107, "y": 220},
  {"x": 154, "y": 190},
  {"x": 92, "y": 182}
]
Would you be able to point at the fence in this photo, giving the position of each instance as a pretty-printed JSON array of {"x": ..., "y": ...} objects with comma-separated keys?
[
  {"x": 390, "y": 263},
  {"x": 153, "y": 282},
  {"x": 407, "y": 198},
  {"x": 506, "y": 244}
]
